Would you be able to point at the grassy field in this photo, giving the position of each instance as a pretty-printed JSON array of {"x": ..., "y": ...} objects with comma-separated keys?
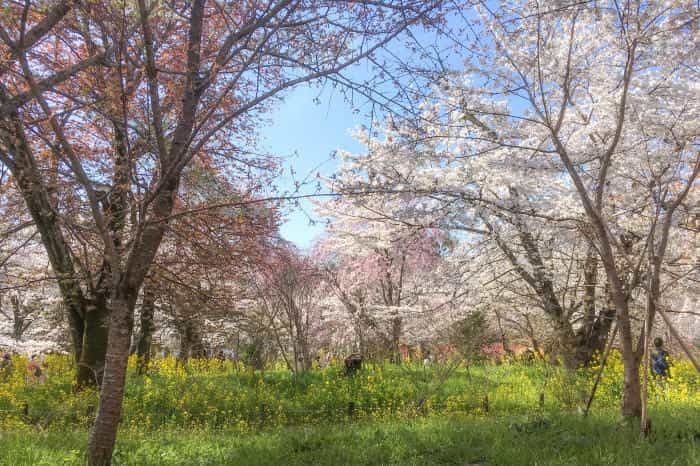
[{"x": 214, "y": 413}]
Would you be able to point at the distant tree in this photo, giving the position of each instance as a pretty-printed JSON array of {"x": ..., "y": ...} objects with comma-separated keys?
[
  {"x": 288, "y": 286},
  {"x": 470, "y": 334}
]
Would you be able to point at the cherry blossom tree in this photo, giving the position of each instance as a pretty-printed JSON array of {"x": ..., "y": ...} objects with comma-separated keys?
[
  {"x": 118, "y": 99},
  {"x": 198, "y": 273},
  {"x": 388, "y": 277},
  {"x": 583, "y": 117},
  {"x": 287, "y": 286}
]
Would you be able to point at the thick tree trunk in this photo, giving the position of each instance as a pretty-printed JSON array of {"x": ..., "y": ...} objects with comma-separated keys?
[
  {"x": 568, "y": 343},
  {"x": 29, "y": 181},
  {"x": 94, "y": 346},
  {"x": 104, "y": 432},
  {"x": 632, "y": 394},
  {"x": 191, "y": 344},
  {"x": 592, "y": 336},
  {"x": 592, "y": 341}
]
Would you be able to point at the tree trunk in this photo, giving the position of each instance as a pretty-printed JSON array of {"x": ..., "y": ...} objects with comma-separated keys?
[
  {"x": 30, "y": 183},
  {"x": 396, "y": 329},
  {"x": 20, "y": 319},
  {"x": 191, "y": 344},
  {"x": 567, "y": 345},
  {"x": 592, "y": 336},
  {"x": 94, "y": 345},
  {"x": 302, "y": 351},
  {"x": 143, "y": 345},
  {"x": 632, "y": 394},
  {"x": 104, "y": 432},
  {"x": 592, "y": 341}
]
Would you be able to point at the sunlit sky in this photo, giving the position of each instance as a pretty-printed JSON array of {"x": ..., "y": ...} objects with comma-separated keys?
[
  {"x": 311, "y": 130},
  {"x": 306, "y": 133}
]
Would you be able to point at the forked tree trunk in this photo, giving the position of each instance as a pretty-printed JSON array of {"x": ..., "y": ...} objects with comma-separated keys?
[
  {"x": 592, "y": 336},
  {"x": 20, "y": 319},
  {"x": 30, "y": 183},
  {"x": 574, "y": 348},
  {"x": 591, "y": 341}
]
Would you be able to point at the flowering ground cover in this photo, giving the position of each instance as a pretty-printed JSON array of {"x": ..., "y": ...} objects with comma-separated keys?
[{"x": 211, "y": 412}]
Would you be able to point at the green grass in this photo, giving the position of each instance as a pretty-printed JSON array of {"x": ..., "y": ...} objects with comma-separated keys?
[
  {"x": 457, "y": 440},
  {"x": 213, "y": 395},
  {"x": 207, "y": 413}
]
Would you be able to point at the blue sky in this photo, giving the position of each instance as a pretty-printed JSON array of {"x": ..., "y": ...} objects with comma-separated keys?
[{"x": 306, "y": 133}]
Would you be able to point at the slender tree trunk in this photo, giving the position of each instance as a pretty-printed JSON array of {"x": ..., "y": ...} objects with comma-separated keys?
[
  {"x": 104, "y": 432},
  {"x": 20, "y": 319},
  {"x": 590, "y": 281},
  {"x": 17, "y": 327},
  {"x": 632, "y": 393},
  {"x": 302, "y": 350},
  {"x": 504, "y": 340},
  {"x": 143, "y": 345},
  {"x": 185, "y": 342},
  {"x": 567, "y": 344},
  {"x": 396, "y": 329},
  {"x": 533, "y": 338}
]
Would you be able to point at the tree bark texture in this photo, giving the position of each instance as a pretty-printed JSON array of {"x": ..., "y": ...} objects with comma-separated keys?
[
  {"x": 82, "y": 320},
  {"x": 104, "y": 432},
  {"x": 94, "y": 347},
  {"x": 143, "y": 344}
]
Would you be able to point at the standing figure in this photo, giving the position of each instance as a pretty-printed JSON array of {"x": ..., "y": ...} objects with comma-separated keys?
[
  {"x": 35, "y": 371},
  {"x": 659, "y": 360}
]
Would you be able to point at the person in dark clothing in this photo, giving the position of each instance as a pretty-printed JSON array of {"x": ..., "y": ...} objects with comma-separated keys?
[{"x": 659, "y": 360}]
